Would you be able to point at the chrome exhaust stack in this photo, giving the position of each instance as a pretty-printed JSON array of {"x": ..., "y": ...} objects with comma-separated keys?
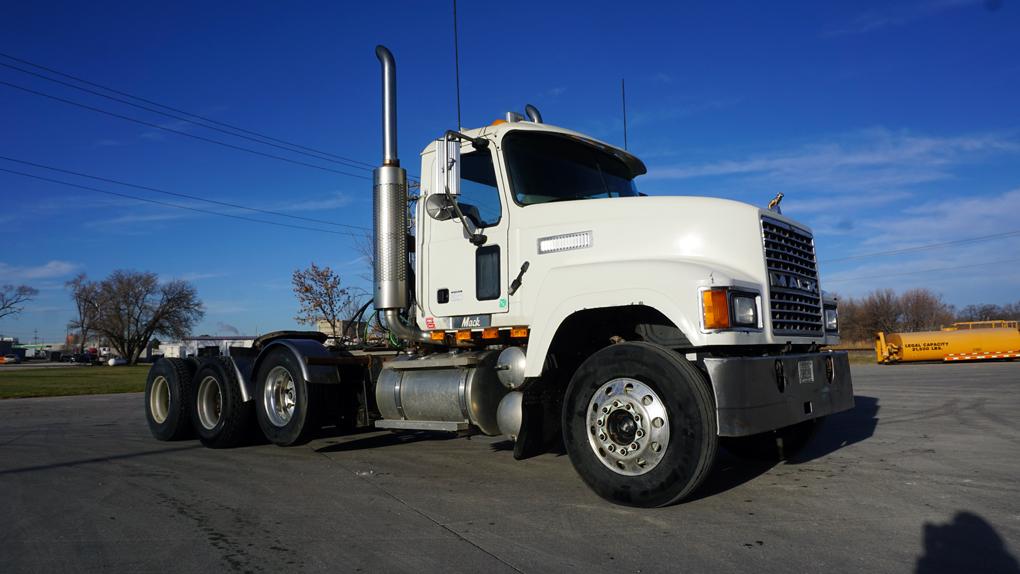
[{"x": 390, "y": 215}]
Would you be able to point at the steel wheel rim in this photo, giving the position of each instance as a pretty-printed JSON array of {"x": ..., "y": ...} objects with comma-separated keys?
[
  {"x": 279, "y": 396},
  {"x": 628, "y": 426},
  {"x": 159, "y": 400},
  {"x": 210, "y": 402}
]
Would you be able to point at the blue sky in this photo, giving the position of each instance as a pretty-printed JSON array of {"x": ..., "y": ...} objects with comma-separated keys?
[{"x": 888, "y": 125}]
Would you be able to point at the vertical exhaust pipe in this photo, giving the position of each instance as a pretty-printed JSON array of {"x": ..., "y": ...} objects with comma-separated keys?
[{"x": 390, "y": 215}]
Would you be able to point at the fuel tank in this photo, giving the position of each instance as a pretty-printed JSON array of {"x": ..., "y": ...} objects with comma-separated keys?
[
  {"x": 441, "y": 392},
  {"x": 947, "y": 345}
]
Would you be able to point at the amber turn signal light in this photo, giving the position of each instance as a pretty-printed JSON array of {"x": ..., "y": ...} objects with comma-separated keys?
[{"x": 715, "y": 309}]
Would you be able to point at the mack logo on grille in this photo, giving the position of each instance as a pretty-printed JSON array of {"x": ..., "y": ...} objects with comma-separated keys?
[{"x": 791, "y": 281}]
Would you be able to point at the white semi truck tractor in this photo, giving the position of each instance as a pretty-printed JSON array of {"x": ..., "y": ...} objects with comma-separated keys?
[{"x": 540, "y": 296}]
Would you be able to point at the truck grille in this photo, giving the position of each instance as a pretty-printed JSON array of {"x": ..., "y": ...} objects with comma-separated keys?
[{"x": 795, "y": 300}]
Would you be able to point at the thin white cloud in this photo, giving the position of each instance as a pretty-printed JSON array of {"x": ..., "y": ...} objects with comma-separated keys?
[
  {"x": 199, "y": 276},
  {"x": 160, "y": 135},
  {"x": 866, "y": 160},
  {"x": 132, "y": 218},
  {"x": 897, "y": 14},
  {"x": 49, "y": 270},
  {"x": 977, "y": 271},
  {"x": 333, "y": 200}
]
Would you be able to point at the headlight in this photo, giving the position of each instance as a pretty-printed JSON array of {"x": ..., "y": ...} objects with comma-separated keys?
[
  {"x": 723, "y": 309},
  {"x": 831, "y": 319},
  {"x": 745, "y": 310}
]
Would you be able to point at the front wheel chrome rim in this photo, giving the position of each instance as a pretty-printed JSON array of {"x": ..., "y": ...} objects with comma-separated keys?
[
  {"x": 628, "y": 426},
  {"x": 210, "y": 403},
  {"x": 280, "y": 396},
  {"x": 159, "y": 400}
]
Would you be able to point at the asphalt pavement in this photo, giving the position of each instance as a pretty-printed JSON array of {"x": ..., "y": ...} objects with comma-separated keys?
[{"x": 922, "y": 476}]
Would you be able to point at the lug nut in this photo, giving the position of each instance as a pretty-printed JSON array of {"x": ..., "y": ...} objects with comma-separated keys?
[
  {"x": 623, "y": 450},
  {"x": 640, "y": 433},
  {"x": 634, "y": 446}
]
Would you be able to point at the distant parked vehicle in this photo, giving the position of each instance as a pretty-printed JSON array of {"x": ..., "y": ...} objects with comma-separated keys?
[
  {"x": 80, "y": 358},
  {"x": 116, "y": 361},
  {"x": 11, "y": 359}
]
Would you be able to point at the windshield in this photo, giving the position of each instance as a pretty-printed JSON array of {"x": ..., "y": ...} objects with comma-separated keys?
[{"x": 546, "y": 167}]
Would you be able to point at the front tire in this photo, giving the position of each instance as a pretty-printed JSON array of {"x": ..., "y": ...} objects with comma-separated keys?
[
  {"x": 168, "y": 390},
  {"x": 286, "y": 402},
  {"x": 219, "y": 415},
  {"x": 639, "y": 425}
]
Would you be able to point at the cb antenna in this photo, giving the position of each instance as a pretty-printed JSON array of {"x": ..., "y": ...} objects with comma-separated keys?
[
  {"x": 623, "y": 96},
  {"x": 456, "y": 62}
]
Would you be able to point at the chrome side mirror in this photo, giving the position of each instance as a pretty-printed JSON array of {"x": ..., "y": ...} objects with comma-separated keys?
[
  {"x": 447, "y": 172},
  {"x": 440, "y": 206}
]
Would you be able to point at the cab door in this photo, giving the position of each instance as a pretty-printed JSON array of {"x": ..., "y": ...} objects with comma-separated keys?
[{"x": 466, "y": 284}]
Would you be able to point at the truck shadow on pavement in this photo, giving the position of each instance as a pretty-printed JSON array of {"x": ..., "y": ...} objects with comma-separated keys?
[
  {"x": 841, "y": 430},
  {"x": 838, "y": 431},
  {"x": 967, "y": 544}
]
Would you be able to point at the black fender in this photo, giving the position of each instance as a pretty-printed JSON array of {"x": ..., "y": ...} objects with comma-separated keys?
[{"x": 302, "y": 349}]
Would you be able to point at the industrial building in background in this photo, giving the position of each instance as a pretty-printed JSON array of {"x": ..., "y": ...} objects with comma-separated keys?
[{"x": 969, "y": 341}]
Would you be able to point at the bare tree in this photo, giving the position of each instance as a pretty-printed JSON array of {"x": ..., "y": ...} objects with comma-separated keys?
[
  {"x": 321, "y": 298},
  {"x": 85, "y": 296},
  {"x": 983, "y": 312},
  {"x": 133, "y": 306},
  {"x": 924, "y": 310},
  {"x": 880, "y": 311},
  {"x": 12, "y": 298}
]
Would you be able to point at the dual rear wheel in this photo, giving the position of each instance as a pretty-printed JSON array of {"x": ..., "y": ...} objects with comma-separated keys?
[{"x": 184, "y": 400}]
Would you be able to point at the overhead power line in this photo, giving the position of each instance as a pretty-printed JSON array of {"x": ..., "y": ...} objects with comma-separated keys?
[
  {"x": 952, "y": 268},
  {"x": 1014, "y": 233},
  {"x": 181, "y": 132},
  {"x": 171, "y": 108},
  {"x": 181, "y": 117},
  {"x": 178, "y": 206},
  {"x": 184, "y": 195}
]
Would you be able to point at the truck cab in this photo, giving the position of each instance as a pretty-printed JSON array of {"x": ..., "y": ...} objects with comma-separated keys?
[{"x": 562, "y": 217}]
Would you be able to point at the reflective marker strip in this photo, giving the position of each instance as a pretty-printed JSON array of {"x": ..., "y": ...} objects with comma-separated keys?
[
  {"x": 988, "y": 355},
  {"x": 565, "y": 242}
]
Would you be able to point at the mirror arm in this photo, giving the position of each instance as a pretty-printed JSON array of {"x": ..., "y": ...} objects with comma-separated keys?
[
  {"x": 478, "y": 143},
  {"x": 475, "y": 238}
]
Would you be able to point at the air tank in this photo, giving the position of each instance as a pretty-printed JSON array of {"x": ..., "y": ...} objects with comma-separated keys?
[{"x": 947, "y": 345}]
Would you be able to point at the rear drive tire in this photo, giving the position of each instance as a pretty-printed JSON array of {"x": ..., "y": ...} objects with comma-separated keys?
[
  {"x": 168, "y": 390},
  {"x": 287, "y": 408},
  {"x": 774, "y": 446},
  {"x": 639, "y": 425},
  {"x": 220, "y": 417}
]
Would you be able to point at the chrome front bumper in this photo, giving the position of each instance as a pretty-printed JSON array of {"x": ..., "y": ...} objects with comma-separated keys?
[{"x": 758, "y": 394}]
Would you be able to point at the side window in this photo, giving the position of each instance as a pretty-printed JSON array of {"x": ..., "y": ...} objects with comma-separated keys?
[{"x": 479, "y": 195}]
